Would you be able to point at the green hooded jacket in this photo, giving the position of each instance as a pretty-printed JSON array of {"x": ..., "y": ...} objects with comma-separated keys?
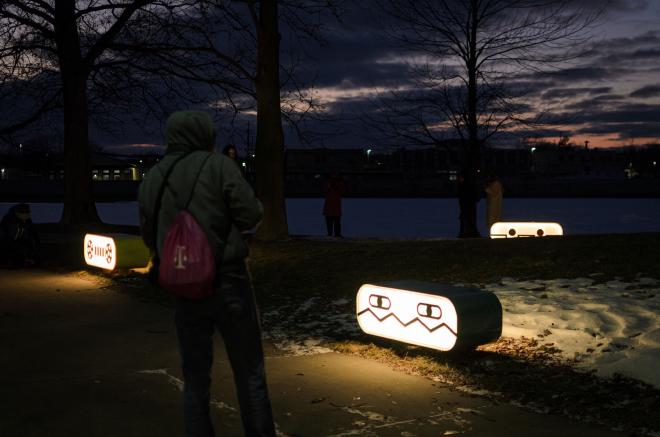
[{"x": 223, "y": 202}]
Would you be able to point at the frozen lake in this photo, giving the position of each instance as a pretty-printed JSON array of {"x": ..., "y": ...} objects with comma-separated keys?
[{"x": 426, "y": 218}]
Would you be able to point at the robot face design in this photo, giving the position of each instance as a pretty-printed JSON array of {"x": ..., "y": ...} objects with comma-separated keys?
[
  {"x": 417, "y": 318},
  {"x": 525, "y": 229},
  {"x": 100, "y": 251},
  {"x": 115, "y": 251}
]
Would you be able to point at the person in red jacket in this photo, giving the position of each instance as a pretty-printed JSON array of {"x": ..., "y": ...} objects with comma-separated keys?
[{"x": 334, "y": 189}]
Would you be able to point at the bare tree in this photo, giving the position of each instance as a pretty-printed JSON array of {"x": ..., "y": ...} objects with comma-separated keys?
[
  {"x": 58, "y": 46},
  {"x": 471, "y": 50},
  {"x": 103, "y": 58},
  {"x": 236, "y": 46},
  {"x": 245, "y": 36},
  {"x": 303, "y": 21}
]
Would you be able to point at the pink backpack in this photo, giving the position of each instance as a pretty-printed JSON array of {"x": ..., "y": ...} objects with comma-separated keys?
[{"x": 187, "y": 266}]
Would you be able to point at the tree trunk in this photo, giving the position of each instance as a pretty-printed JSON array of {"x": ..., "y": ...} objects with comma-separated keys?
[
  {"x": 473, "y": 153},
  {"x": 270, "y": 137},
  {"x": 79, "y": 207}
]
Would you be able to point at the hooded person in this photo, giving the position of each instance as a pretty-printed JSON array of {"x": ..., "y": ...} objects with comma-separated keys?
[
  {"x": 19, "y": 240},
  {"x": 224, "y": 205}
]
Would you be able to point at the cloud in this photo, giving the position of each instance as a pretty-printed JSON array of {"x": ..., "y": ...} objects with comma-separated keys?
[
  {"x": 582, "y": 73},
  {"x": 627, "y": 113},
  {"x": 622, "y": 45},
  {"x": 626, "y": 121},
  {"x": 601, "y": 101},
  {"x": 623, "y": 5},
  {"x": 624, "y": 131},
  {"x": 646, "y": 92},
  {"x": 560, "y": 93}
]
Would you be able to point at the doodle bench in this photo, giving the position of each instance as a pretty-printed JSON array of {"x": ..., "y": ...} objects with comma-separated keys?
[
  {"x": 525, "y": 229},
  {"x": 115, "y": 250},
  {"x": 432, "y": 315}
]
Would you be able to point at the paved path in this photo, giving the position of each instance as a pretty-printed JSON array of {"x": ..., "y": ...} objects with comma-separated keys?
[{"x": 78, "y": 359}]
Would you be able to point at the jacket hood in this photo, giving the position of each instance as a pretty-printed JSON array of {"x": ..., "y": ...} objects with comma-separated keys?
[{"x": 187, "y": 131}]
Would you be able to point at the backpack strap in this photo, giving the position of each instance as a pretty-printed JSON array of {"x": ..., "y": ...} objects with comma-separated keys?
[
  {"x": 159, "y": 199},
  {"x": 192, "y": 188},
  {"x": 187, "y": 204}
]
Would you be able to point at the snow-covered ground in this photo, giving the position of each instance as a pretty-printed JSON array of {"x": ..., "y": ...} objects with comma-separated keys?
[
  {"x": 427, "y": 218},
  {"x": 610, "y": 327}
]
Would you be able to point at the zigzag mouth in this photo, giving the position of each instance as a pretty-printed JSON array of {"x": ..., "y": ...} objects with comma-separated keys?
[{"x": 405, "y": 325}]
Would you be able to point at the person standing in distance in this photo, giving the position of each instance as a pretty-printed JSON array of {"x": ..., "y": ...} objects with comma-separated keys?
[
  {"x": 494, "y": 194},
  {"x": 224, "y": 205},
  {"x": 230, "y": 151},
  {"x": 334, "y": 190}
]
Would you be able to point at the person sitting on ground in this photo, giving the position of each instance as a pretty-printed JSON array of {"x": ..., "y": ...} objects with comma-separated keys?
[{"x": 19, "y": 238}]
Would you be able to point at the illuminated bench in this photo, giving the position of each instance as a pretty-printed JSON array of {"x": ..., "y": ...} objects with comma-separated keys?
[
  {"x": 115, "y": 250},
  {"x": 525, "y": 229},
  {"x": 432, "y": 315}
]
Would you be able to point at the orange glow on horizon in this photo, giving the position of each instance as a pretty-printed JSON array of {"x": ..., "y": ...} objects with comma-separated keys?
[{"x": 601, "y": 141}]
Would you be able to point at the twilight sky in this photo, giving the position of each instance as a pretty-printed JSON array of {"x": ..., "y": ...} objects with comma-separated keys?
[{"x": 610, "y": 96}]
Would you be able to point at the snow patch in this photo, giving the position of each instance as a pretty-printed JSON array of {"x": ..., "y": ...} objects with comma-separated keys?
[{"x": 612, "y": 327}]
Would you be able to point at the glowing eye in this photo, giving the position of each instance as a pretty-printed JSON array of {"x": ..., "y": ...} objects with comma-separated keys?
[
  {"x": 512, "y": 232},
  {"x": 428, "y": 310},
  {"x": 540, "y": 232},
  {"x": 379, "y": 302}
]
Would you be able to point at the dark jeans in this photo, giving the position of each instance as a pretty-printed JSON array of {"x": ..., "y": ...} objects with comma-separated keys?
[
  {"x": 233, "y": 312},
  {"x": 333, "y": 223}
]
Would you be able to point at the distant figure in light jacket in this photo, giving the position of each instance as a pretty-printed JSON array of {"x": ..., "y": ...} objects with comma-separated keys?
[{"x": 493, "y": 201}]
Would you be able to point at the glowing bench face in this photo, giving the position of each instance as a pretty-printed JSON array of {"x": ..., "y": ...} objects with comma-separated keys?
[
  {"x": 438, "y": 316},
  {"x": 525, "y": 229},
  {"x": 115, "y": 250},
  {"x": 100, "y": 251},
  {"x": 416, "y": 318}
]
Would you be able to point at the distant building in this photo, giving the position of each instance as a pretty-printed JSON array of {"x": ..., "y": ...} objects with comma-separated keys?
[
  {"x": 405, "y": 172},
  {"x": 40, "y": 166},
  {"x": 615, "y": 163},
  {"x": 104, "y": 168},
  {"x": 532, "y": 169}
]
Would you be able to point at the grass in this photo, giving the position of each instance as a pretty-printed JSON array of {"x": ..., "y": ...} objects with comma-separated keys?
[
  {"x": 303, "y": 267},
  {"x": 299, "y": 268}
]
